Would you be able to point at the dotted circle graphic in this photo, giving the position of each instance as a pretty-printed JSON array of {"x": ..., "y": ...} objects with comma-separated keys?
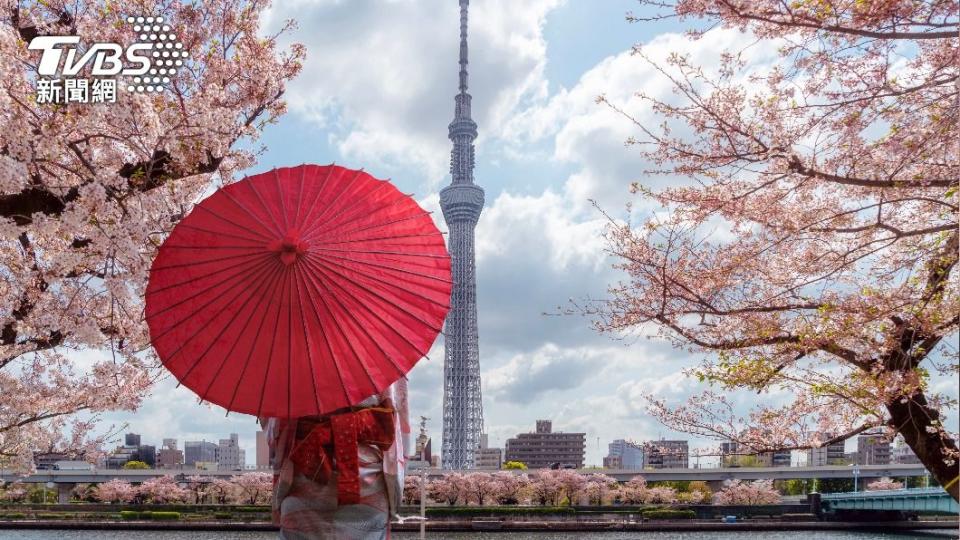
[{"x": 168, "y": 54}]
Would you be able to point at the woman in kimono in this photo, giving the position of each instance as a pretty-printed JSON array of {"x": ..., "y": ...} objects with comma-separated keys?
[{"x": 340, "y": 475}]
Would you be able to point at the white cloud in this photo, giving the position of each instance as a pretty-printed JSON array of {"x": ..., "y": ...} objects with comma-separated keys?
[{"x": 381, "y": 74}]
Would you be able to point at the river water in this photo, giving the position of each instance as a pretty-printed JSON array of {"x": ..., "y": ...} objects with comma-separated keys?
[{"x": 12, "y": 534}]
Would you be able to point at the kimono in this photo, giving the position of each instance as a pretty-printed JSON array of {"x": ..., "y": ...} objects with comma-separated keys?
[{"x": 340, "y": 475}]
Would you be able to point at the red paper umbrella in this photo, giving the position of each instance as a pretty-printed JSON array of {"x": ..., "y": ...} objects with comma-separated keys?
[{"x": 298, "y": 291}]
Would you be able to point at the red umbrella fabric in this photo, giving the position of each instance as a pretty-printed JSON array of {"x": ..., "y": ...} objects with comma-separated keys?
[{"x": 298, "y": 291}]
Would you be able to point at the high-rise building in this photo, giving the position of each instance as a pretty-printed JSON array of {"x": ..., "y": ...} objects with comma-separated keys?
[
  {"x": 462, "y": 202},
  {"x": 131, "y": 440},
  {"x": 263, "y": 451},
  {"x": 733, "y": 455},
  {"x": 545, "y": 449},
  {"x": 873, "y": 449},
  {"x": 903, "y": 454},
  {"x": 612, "y": 462},
  {"x": 829, "y": 454},
  {"x": 486, "y": 457},
  {"x": 230, "y": 457},
  {"x": 147, "y": 453},
  {"x": 630, "y": 454},
  {"x": 169, "y": 456},
  {"x": 664, "y": 454},
  {"x": 199, "y": 452}
]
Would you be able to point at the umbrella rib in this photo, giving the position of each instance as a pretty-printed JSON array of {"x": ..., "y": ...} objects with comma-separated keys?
[
  {"x": 232, "y": 223},
  {"x": 398, "y": 199},
  {"x": 273, "y": 342},
  {"x": 323, "y": 187},
  {"x": 283, "y": 204},
  {"x": 289, "y": 343},
  {"x": 246, "y": 362},
  {"x": 191, "y": 280},
  {"x": 253, "y": 216},
  {"x": 413, "y": 264},
  {"x": 320, "y": 227},
  {"x": 389, "y": 283},
  {"x": 256, "y": 247},
  {"x": 255, "y": 241},
  {"x": 306, "y": 338},
  {"x": 323, "y": 332},
  {"x": 329, "y": 262},
  {"x": 393, "y": 268},
  {"x": 387, "y": 324},
  {"x": 263, "y": 203},
  {"x": 233, "y": 346},
  {"x": 206, "y": 261},
  {"x": 376, "y": 238},
  {"x": 381, "y": 252},
  {"x": 364, "y": 330},
  {"x": 252, "y": 269},
  {"x": 220, "y": 334},
  {"x": 303, "y": 175},
  {"x": 336, "y": 199},
  {"x": 386, "y": 223}
]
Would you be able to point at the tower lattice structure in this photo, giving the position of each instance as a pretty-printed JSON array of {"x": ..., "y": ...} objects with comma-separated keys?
[{"x": 462, "y": 202}]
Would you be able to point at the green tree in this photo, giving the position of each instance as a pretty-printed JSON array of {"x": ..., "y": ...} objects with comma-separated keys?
[
  {"x": 515, "y": 465},
  {"x": 835, "y": 485},
  {"x": 135, "y": 465},
  {"x": 793, "y": 487}
]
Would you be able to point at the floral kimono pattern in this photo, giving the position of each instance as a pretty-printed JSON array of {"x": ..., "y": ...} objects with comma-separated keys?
[{"x": 340, "y": 475}]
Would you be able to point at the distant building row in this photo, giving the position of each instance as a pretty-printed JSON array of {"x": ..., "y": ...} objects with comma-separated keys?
[{"x": 195, "y": 455}]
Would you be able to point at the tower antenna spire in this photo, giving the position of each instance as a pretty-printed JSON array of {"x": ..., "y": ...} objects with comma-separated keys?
[{"x": 464, "y": 52}]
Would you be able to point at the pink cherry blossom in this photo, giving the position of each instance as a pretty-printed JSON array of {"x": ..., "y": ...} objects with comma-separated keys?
[
  {"x": 806, "y": 239},
  {"x": 884, "y": 484},
  {"x": 736, "y": 492},
  {"x": 254, "y": 487},
  {"x": 88, "y": 191},
  {"x": 115, "y": 491},
  {"x": 162, "y": 489}
]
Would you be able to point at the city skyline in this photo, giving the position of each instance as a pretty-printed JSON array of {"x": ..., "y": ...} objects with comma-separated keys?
[{"x": 546, "y": 148}]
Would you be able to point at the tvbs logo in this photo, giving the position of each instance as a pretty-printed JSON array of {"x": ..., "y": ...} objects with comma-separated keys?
[{"x": 151, "y": 61}]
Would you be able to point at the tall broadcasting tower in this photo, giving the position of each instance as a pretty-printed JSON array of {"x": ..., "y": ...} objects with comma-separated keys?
[{"x": 462, "y": 202}]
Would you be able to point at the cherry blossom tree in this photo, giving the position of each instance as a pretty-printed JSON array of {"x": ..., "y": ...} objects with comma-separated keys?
[
  {"x": 197, "y": 487},
  {"x": 739, "y": 492},
  {"x": 13, "y": 492},
  {"x": 162, "y": 489},
  {"x": 598, "y": 488},
  {"x": 634, "y": 491},
  {"x": 115, "y": 491},
  {"x": 449, "y": 489},
  {"x": 253, "y": 488},
  {"x": 511, "y": 487},
  {"x": 481, "y": 487},
  {"x": 545, "y": 487},
  {"x": 884, "y": 484},
  {"x": 660, "y": 495},
  {"x": 572, "y": 482},
  {"x": 223, "y": 491},
  {"x": 812, "y": 251},
  {"x": 88, "y": 191},
  {"x": 83, "y": 492},
  {"x": 411, "y": 489}
]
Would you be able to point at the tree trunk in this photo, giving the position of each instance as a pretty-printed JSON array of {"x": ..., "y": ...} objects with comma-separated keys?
[{"x": 912, "y": 419}]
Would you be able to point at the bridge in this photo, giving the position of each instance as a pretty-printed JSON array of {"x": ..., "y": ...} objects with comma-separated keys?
[{"x": 925, "y": 500}]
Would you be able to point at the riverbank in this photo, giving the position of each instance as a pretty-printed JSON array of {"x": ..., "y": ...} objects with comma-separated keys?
[{"x": 512, "y": 526}]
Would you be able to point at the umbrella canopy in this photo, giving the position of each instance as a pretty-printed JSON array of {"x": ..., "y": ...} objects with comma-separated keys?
[{"x": 298, "y": 291}]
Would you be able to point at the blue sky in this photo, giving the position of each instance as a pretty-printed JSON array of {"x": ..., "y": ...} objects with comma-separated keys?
[{"x": 377, "y": 92}]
